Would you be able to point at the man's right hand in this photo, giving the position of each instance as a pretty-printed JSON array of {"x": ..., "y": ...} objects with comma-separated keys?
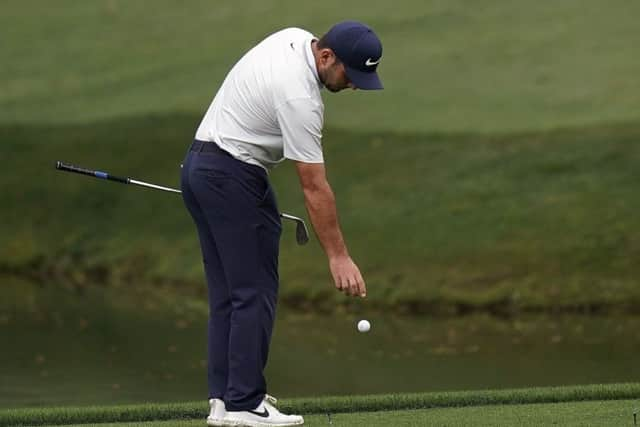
[
  {"x": 347, "y": 277},
  {"x": 321, "y": 205}
]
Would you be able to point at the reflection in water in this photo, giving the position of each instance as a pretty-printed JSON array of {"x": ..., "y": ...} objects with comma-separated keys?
[
  {"x": 425, "y": 354},
  {"x": 115, "y": 346}
]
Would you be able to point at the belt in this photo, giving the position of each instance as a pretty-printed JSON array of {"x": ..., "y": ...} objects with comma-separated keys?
[{"x": 208, "y": 146}]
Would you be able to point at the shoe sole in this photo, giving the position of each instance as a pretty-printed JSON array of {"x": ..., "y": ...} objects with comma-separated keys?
[
  {"x": 218, "y": 423},
  {"x": 239, "y": 423}
]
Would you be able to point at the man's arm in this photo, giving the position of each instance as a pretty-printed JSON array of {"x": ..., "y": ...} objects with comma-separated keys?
[{"x": 321, "y": 205}]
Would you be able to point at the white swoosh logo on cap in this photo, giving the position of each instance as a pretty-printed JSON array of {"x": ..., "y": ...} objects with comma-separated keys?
[{"x": 370, "y": 63}]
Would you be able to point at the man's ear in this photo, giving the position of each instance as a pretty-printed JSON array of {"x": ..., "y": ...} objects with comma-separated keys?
[{"x": 327, "y": 57}]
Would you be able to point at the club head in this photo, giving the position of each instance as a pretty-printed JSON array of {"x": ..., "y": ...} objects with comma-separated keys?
[{"x": 302, "y": 234}]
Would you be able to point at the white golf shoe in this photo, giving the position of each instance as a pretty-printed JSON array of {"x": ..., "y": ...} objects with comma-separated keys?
[
  {"x": 217, "y": 414},
  {"x": 265, "y": 415}
]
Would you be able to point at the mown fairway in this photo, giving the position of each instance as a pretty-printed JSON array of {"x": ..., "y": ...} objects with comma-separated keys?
[
  {"x": 448, "y": 66},
  {"x": 599, "y": 413},
  {"x": 595, "y": 405}
]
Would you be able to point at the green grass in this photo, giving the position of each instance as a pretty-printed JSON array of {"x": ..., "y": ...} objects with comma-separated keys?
[
  {"x": 359, "y": 406},
  {"x": 597, "y": 413},
  {"x": 496, "y": 172},
  {"x": 532, "y": 221},
  {"x": 448, "y": 66}
]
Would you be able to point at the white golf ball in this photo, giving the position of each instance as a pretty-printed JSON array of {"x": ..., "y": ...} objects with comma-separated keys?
[{"x": 364, "y": 326}]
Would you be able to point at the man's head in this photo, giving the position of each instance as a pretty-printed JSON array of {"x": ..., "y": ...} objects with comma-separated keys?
[{"x": 348, "y": 56}]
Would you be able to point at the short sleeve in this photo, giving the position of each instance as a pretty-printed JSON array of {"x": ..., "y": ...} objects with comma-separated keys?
[{"x": 301, "y": 122}]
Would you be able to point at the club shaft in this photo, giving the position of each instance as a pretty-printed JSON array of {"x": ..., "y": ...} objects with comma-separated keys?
[
  {"x": 126, "y": 180},
  {"x": 291, "y": 217},
  {"x": 154, "y": 186}
]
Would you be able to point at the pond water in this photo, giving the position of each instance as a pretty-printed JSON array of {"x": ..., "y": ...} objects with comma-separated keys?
[{"x": 118, "y": 345}]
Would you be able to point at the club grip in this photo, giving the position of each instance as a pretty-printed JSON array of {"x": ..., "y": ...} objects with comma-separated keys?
[
  {"x": 97, "y": 174},
  {"x": 72, "y": 168}
]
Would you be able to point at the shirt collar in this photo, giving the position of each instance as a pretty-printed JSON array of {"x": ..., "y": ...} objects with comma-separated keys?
[{"x": 311, "y": 61}]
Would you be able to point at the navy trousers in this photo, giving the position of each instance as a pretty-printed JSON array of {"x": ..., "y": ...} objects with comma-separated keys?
[{"x": 238, "y": 222}]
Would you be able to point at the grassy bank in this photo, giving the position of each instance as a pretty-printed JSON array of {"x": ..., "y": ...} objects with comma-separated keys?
[
  {"x": 453, "y": 223},
  {"x": 333, "y": 405},
  {"x": 497, "y": 171}
]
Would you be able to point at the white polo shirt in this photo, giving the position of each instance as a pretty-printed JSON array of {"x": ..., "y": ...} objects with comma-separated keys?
[{"x": 269, "y": 106}]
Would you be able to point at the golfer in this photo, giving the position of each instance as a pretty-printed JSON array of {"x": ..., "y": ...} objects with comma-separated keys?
[{"x": 268, "y": 109}]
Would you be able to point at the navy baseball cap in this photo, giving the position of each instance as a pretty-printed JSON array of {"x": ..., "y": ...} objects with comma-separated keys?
[{"x": 359, "y": 49}]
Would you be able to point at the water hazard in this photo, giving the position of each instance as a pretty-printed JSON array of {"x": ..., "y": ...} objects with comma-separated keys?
[{"x": 118, "y": 345}]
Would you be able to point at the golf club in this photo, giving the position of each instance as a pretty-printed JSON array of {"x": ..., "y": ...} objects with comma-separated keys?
[{"x": 302, "y": 234}]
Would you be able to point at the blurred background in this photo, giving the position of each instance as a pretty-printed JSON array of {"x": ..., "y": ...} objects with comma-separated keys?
[{"x": 489, "y": 195}]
